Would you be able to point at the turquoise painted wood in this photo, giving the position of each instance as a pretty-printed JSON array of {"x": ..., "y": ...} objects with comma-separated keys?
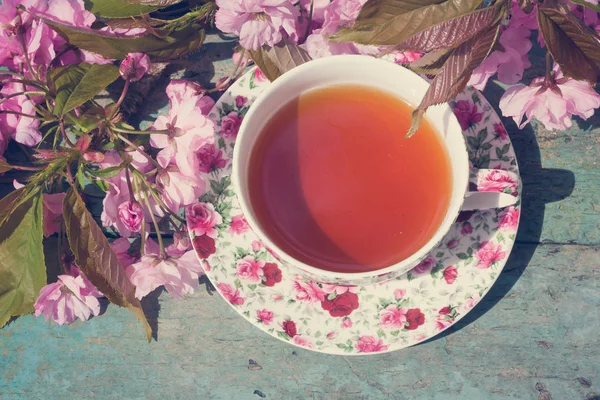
[{"x": 534, "y": 336}]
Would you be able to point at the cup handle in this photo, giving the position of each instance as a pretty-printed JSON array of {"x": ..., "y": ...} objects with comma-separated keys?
[{"x": 491, "y": 188}]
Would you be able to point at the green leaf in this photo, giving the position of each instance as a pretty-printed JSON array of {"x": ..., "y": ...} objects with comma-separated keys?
[
  {"x": 586, "y": 3},
  {"x": 75, "y": 84},
  {"x": 118, "y": 8},
  {"x": 390, "y": 22},
  {"x": 10, "y": 202},
  {"x": 22, "y": 270},
  {"x": 275, "y": 61},
  {"x": 109, "y": 172},
  {"x": 574, "y": 46},
  {"x": 179, "y": 39},
  {"x": 453, "y": 32},
  {"x": 462, "y": 256},
  {"x": 4, "y": 167},
  {"x": 96, "y": 258}
]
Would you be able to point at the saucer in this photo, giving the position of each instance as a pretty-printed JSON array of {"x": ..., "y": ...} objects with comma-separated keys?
[{"x": 356, "y": 320}]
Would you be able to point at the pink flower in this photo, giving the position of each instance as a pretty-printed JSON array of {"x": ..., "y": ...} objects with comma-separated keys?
[
  {"x": 406, "y": 57},
  {"x": 466, "y": 113},
  {"x": 510, "y": 63},
  {"x": 518, "y": 17},
  {"x": 308, "y": 291},
  {"x": 489, "y": 253},
  {"x": 259, "y": 76},
  {"x": 188, "y": 129},
  {"x": 52, "y": 213},
  {"x": 250, "y": 269},
  {"x": 509, "y": 220},
  {"x": 399, "y": 294},
  {"x": 332, "y": 335},
  {"x": 240, "y": 101},
  {"x": 346, "y": 323},
  {"x": 182, "y": 91},
  {"x": 22, "y": 129},
  {"x": 500, "y": 130},
  {"x": 256, "y": 245},
  {"x": 302, "y": 341},
  {"x": 319, "y": 7},
  {"x": 392, "y": 317},
  {"x": 144, "y": 275},
  {"x": 497, "y": 181},
  {"x": 450, "y": 274},
  {"x": 131, "y": 214},
  {"x": 443, "y": 323},
  {"x": 466, "y": 228},
  {"x": 202, "y": 219},
  {"x": 230, "y": 125},
  {"x": 553, "y": 104},
  {"x": 318, "y": 45},
  {"x": 341, "y": 13},
  {"x": 181, "y": 244},
  {"x": 370, "y": 344},
  {"x": 134, "y": 66},
  {"x": 239, "y": 225},
  {"x": 257, "y": 22},
  {"x": 338, "y": 290},
  {"x": 232, "y": 296},
  {"x": 71, "y": 297},
  {"x": 265, "y": 316},
  {"x": 121, "y": 248},
  {"x": 470, "y": 303},
  {"x": 424, "y": 267},
  {"x": 179, "y": 190}
]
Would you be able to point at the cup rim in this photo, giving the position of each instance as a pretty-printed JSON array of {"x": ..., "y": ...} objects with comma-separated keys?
[{"x": 398, "y": 268}]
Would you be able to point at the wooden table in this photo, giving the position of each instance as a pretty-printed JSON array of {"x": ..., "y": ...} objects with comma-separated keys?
[{"x": 536, "y": 335}]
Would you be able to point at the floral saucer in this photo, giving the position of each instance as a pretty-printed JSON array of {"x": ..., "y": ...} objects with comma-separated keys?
[{"x": 361, "y": 319}]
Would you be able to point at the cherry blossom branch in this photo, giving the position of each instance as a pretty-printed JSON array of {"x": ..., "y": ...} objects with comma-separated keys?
[
  {"x": 64, "y": 133},
  {"x": 10, "y": 96},
  {"x": 136, "y": 132},
  {"x": 21, "y": 114},
  {"x": 549, "y": 65},
  {"x": 156, "y": 228},
  {"x": 136, "y": 147},
  {"x": 121, "y": 98}
]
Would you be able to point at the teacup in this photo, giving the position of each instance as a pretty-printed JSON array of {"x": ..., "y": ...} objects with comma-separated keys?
[{"x": 383, "y": 75}]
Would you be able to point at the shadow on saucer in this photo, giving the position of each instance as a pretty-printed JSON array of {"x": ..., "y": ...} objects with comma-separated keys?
[{"x": 540, "y": 187}]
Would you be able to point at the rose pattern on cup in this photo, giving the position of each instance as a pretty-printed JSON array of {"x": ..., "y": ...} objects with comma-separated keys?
[{"x": 357, "y": 320}]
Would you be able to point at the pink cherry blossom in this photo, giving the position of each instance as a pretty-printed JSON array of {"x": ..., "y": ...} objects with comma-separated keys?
[
  {"x": 239, "y": 225},
  {"x": 144, "y": 275},
  {"x": 232, "y": 296},
  {"x": 489, "y": 253},
  {"x": 467, "y": 113},
  {"x": 52, "y": 210},
  {"x": 424, "y": 267},
  {"x": 121, "y": 249},
  {"x": 518, "y": 17},
  {"x": 308, "y": 291},
  {"x": 179, "y": 190},
  {"x": 230, "y": 125},
  {"x": 450, "y": 274},
  {"x": 72, "y": 296},
  {"x": 318, "y": 45},
  {"x": 346, "y": 323},
  {"x": 302, "y": 341},
  {"x": 392, "y": 317},
  {"x": 181, "y": 91},
  {"x": 370, "y": 344},
  {"x": 22, "y": 129},
  {"x": 257, "y": 22},
  {"x": 405, "y": 57},
  {"x": 497, "y": 181},
  {"x": 319, "y": 7},
  {"x": 399, "y": 294},
  {"x": 181, "y": 244},
  {"x": 202, "y": 219},
  {"x": 250, "y": 269},
  {"x": 341, "y": 13},
  {"x": 553, "y": 106},
  {"x": 265, "y": 316},
  {"x": 131, "y": 215},
  {"x": 210, "y": 158},
  {"x": 134, "y": 66},
  {"x": 339, "y": 289},
  {"x": 509, "y": 63},
  {"x": 509, "y": 220},
  {"x": 180, "y": 274}
]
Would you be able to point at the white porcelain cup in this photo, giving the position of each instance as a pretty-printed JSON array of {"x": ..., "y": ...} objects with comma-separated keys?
[{"x": 380, "y": 74}]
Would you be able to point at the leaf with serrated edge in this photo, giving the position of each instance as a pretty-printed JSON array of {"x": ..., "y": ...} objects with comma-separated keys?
[
  {"x": 118, "y": 8},
  {"x": 75, "y": 84},
  {"x": 455, "y": 74},
  {"x": 11, "y": 201},
  {"x": 178, "y": 43},
  {"x": 452, "y": 33},
  {"x": 22, "y": 270},
  {"x": 389, "y": 22},
  {"x": 574, "y": 46},
  {"x": 277, "y": 60},
  {"x": 431, "y": 62},
  {"x": 96, "y": 258},
  {"x": 160, "y": 3},
  {"x": 586, "y": 3}
]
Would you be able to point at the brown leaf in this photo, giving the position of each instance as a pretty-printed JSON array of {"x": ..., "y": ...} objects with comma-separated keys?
[
  {"x": 587, "y": 4},
  {"x": 389, "y": 22},
  {"x": 455, "y": 74},
  {"x": 431, "y": 63},
  {"x": 96, "y": 258},
  {"x": 275, "y": 61},
  {"x": 574, "y": 46}
]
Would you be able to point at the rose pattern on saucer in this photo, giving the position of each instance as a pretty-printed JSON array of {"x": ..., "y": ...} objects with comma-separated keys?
[{"x": 354, "y": 320}]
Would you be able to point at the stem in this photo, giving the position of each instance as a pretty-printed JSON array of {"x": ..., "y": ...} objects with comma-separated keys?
[
  {"x": 27, "y": 60},
  {"x": 70, "y": 176},
  {"x": 310, "y": 17},
  {"x": 10, "y": 96},
  {"x": 135, "y": 132},
  {"x": 120, "y": 101},
  {"x": 131, "y": 192},
  {"x": 549, "y": 65},
  {"x": 156, "y": 228},
  {"x": 164, "y": 207},
  {"x": 64, "y": 133},
  {"x": 22, "y": 114},
  {"x": 142, "y": 152},
  {"x": 27, "y": 82},
  {"x": 23, "y": 168},
  {"x": 231, "y": 75}
]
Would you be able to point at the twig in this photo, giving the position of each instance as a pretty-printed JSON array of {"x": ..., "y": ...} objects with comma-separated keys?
[{"x": 142, "y": 152}]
